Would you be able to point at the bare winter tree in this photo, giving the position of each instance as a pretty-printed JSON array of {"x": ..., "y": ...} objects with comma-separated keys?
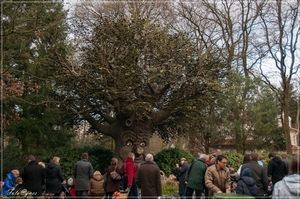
[
  {"x": 281, "y": 26},
  {"x": 229, "y": 28}
]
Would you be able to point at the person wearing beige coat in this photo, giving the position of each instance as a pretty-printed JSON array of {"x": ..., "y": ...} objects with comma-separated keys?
[
  {"x": 96, "y": 182},
  {"x": 217, "y": 177}
]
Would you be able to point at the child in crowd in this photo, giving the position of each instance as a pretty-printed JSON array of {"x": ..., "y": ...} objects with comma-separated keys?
[
  {"x": 234, "y": 177},
  {"x": 246, "y": 184},
  {"x": 9, "y": 183},
  {"x": 19, "y": 190},
  {"x": 233, "y": 187}
]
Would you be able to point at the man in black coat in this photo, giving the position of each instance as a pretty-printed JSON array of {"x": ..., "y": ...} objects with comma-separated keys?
[
  {"x": 276, "y": 168},
  {"x": 258, "y": 173},
  {"x": 34, "y": 176}
]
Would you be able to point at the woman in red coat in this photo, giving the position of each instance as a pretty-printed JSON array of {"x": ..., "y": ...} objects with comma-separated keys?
[
  {"x": 112, "y": 185},
  {"x": 129, "y": 176}
]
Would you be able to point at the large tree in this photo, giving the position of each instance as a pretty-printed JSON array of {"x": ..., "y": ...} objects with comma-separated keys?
[
  {"x": 31, "y": 33},
  {"x": 134, "y": 77},
  {"x": 229, "y": 27},
  {"x": 281, "y": 27}
]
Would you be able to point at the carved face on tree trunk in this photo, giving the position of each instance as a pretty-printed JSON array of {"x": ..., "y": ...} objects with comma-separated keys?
[{"x": 134, "y": 139}]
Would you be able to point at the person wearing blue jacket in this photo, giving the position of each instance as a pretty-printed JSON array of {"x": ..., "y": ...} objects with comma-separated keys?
[
  {"x": 246, "y": 184},
  {"x": 9, "y": 183}
]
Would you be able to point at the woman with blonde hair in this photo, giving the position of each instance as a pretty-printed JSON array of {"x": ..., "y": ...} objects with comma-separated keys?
[
  {"x": 130, "y": 170},
  {"x": 9, "y": 183},
  {"x": 54, "y": 177},
  {"x": 112, "y": 185}
]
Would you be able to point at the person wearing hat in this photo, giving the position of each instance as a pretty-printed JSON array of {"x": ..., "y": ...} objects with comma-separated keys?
[{"x": 183, "y": 168}]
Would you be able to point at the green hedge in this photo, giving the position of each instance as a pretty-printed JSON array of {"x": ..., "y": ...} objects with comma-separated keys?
[
  {"x": 168, "y": 158},
  {"x": 98, "y": 156}
]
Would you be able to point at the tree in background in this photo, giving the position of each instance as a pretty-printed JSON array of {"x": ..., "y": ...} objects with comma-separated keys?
[
  {"x": 281, "y": 28},
  {"x": 33, "y": 34},
  {"x": 252, "y": 117},
  {"x": 228, "y": 27}
]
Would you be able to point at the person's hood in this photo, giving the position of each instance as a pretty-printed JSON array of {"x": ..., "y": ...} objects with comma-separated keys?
[
  {"x": 246, "y": 172},
  {"x": 98, "y": 177},
  {"x": 11, "y": 177},
  {"x": 32, "y": 162},
  {"x": 248, "y": 181},
  {"x": 52, "y": 165},
  {"x": 129, "y": 160},
  {"x": 292, "y": 183},
  {"x": 277, "y": 160}
]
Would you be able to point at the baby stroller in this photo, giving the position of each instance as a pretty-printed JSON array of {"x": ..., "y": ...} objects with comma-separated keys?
[
  {"x": 19, "y": 192},
  {"x": 69, "y": 188}
]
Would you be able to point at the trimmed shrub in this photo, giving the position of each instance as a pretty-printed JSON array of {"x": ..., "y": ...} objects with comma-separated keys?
[
  {"x": 99, "y": 157},
  {"x": 168, "y": 158}
]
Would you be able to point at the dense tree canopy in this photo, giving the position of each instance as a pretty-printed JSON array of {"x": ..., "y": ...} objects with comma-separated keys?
[
  {"x": 132, "y": 71},
  {"x": 32, "y": 33}
]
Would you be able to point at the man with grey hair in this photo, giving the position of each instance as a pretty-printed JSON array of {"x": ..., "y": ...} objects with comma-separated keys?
[
  {"x": 148, "y": 179},
  {"x": 195, "y": 177}
]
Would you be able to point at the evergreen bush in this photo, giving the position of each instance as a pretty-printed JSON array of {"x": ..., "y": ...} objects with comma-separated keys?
[
  {"x": 168, "y": 158},
  {"x": 99, "y": 157}
]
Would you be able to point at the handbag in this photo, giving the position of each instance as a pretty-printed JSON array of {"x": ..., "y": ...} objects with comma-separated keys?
[{"x": 114, "y": 175}]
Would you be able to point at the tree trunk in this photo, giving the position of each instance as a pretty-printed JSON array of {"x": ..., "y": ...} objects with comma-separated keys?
[
  {"x": 286, "y": 125},
  {"x": 130, "y": 135}
]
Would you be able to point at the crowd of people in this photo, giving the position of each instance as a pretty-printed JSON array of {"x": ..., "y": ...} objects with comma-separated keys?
[
  {"x": 40, "y": 181},
  {"x": 209, "y": 175},
  {"x": 206, "y": 176}
]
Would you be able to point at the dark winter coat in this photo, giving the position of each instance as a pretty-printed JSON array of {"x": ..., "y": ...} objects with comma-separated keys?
[
  {"x": 83, "y": 172},
  {"x": 183, "y": 169},
  {"x": 112, "y": 185},
  {"x": 196, "y": 173},
  {"x": 149, "y": 180},
  {"x": 97, "y": 182},
  {"x": 246, "y": 184},
  {"x": 34, "y": 176},
  {"x": 54, "y": 178},
  {"x": 259, "y": 174},
  {"x": 277, "y": 169}
]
